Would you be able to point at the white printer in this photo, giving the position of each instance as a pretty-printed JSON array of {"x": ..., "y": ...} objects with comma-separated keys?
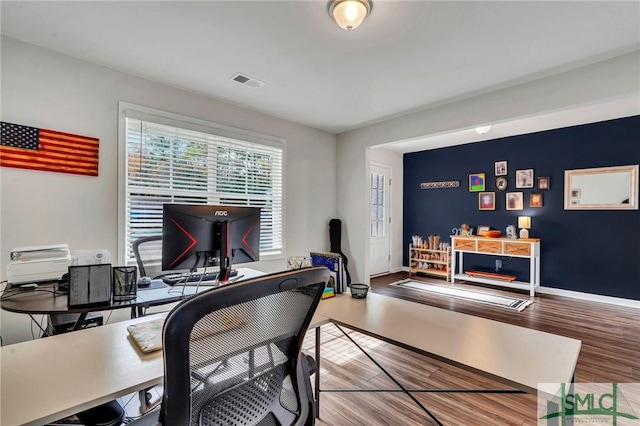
[{"x": 38, "y": 263}]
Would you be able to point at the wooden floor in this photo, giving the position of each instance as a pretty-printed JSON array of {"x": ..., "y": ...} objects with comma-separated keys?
[{"x": 610, "y": 353}]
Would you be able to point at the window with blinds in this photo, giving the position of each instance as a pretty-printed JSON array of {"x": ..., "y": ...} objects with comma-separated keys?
[{"x": 169, "y": 164}]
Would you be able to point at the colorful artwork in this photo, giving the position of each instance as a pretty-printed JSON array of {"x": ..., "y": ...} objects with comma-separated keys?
[{"x": 476, "y": 182}]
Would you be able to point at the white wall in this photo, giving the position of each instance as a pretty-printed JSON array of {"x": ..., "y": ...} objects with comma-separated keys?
[
  {"x": 43, "y": 89},
  {"x": 589, "y": 85}
]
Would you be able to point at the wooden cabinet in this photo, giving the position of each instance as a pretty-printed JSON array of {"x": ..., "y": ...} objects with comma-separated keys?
[
  {"x": 430, "y": 262},
  {"x": 526, "y": 247}
]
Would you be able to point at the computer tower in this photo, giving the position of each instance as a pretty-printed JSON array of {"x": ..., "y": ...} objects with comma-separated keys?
[{"x": 64, "y": 323}]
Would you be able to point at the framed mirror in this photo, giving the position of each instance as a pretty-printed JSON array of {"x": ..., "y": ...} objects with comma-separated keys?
[{"x": 602, "y": 188}]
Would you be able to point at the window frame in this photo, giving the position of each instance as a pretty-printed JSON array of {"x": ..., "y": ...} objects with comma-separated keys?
[{"x": 129, "y": 110}]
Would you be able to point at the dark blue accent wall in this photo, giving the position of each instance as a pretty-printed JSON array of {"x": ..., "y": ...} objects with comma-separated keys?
[{"x": 587, "y": 251}]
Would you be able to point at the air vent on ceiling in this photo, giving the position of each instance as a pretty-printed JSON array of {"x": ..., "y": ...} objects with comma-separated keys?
[{"x": 247, "y": 81}]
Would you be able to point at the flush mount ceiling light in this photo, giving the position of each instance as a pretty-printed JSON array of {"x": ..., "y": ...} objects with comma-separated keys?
[
  {"x": 483, "y": 129},
  {"x": 349, "y": 14}
]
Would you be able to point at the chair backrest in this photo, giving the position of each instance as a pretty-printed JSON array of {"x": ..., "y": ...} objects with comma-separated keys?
[
  {"x": 232, "y": 354},
  {"x": 148, "y": 254}
]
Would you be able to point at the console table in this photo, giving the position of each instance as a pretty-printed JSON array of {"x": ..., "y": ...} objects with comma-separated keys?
[{"x": 528, "y": 248}]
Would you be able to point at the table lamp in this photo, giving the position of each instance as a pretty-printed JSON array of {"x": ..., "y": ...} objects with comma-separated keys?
[{"x": 524, "y": 223}]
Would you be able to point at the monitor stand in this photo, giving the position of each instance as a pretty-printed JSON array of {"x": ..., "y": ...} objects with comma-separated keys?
[{"x": 225, "y": 252}]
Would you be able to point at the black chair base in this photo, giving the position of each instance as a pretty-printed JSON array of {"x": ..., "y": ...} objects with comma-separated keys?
[{"x": 109, "y": 414}]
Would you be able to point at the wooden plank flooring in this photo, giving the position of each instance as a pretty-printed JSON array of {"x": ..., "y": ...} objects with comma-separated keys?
[{"x": 610, "y": 353}]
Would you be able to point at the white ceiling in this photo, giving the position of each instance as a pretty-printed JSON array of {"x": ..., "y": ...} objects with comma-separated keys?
[{"x": 406, "y": 56}]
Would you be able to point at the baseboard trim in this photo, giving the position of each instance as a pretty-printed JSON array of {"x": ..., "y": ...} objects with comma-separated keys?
[
  {"x": 391, "y": 271},
  {"x": 618, "y": 301}
]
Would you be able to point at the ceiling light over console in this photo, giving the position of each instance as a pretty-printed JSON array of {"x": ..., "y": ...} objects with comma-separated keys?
[{"x": 349, "y": 14}]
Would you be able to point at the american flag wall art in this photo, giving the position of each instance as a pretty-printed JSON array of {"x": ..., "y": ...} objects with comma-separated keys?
[{"x": 40, "y": 149}]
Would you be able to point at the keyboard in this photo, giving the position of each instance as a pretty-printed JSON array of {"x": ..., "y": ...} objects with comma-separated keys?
[{"x": 194, "y": 278}]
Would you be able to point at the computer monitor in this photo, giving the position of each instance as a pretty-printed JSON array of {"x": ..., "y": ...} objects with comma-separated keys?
[{"x": 203, "y": 235}]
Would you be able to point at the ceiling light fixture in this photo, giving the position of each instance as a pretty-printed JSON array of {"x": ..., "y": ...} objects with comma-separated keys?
[
  {"x": 349, "y": 14},
  {"x": 483, "y": 129}
]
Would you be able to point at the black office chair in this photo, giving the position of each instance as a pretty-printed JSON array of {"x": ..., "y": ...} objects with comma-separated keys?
[
  {"x": 108, "y": 414},
  {"x": 232, "y": 354},
  {"x": 148, "y": 254}
]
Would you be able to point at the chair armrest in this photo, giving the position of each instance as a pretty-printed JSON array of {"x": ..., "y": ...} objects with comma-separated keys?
[
  {"x": 309, "y": 364},
  {"x": 307, "y": 367}
]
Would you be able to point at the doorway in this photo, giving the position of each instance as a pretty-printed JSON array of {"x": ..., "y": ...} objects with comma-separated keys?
[{"x": 379, "y": 219}]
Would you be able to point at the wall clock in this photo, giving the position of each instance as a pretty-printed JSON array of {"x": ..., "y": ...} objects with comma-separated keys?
[{"x": 501, "y": 183}]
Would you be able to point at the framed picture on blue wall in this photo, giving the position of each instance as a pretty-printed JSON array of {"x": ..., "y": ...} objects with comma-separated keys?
[
  {"x": 535, "y": 200},
  {"x": 487, "y": 201},
  {"x": 524, "y": 178},
  {"x": 515, "y": 200},
  {"x": 476, "y": 182},
  {"x": 543, "y": 182},
  {"x": 501, "y": 168}
]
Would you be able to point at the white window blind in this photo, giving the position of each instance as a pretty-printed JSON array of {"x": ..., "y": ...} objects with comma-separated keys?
[{"x": 169, "y": 164}]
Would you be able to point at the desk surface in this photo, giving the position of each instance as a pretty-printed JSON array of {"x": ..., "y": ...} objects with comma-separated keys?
[
  {"x": 42, "y": 301},
  {"x": 517, "y": 356},
  {"x": 47, "y": 379},
  {"x": 104, "y": 363}
]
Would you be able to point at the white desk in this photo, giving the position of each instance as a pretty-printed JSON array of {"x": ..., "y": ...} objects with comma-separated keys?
[
  {"x": 517, "y": 356},
  {"x": 47, "y": 379}
]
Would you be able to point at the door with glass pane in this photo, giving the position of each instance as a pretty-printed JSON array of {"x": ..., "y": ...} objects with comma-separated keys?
[{"x": 379, "y": 221}]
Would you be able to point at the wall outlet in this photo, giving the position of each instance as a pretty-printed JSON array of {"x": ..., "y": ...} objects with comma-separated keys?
[{"x": 498, "y": 265}]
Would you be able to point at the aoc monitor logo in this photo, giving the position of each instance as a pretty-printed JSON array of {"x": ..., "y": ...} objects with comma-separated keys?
[
  {"x": 221, "y": 213},
  {"x": 567, "y": 404}
]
